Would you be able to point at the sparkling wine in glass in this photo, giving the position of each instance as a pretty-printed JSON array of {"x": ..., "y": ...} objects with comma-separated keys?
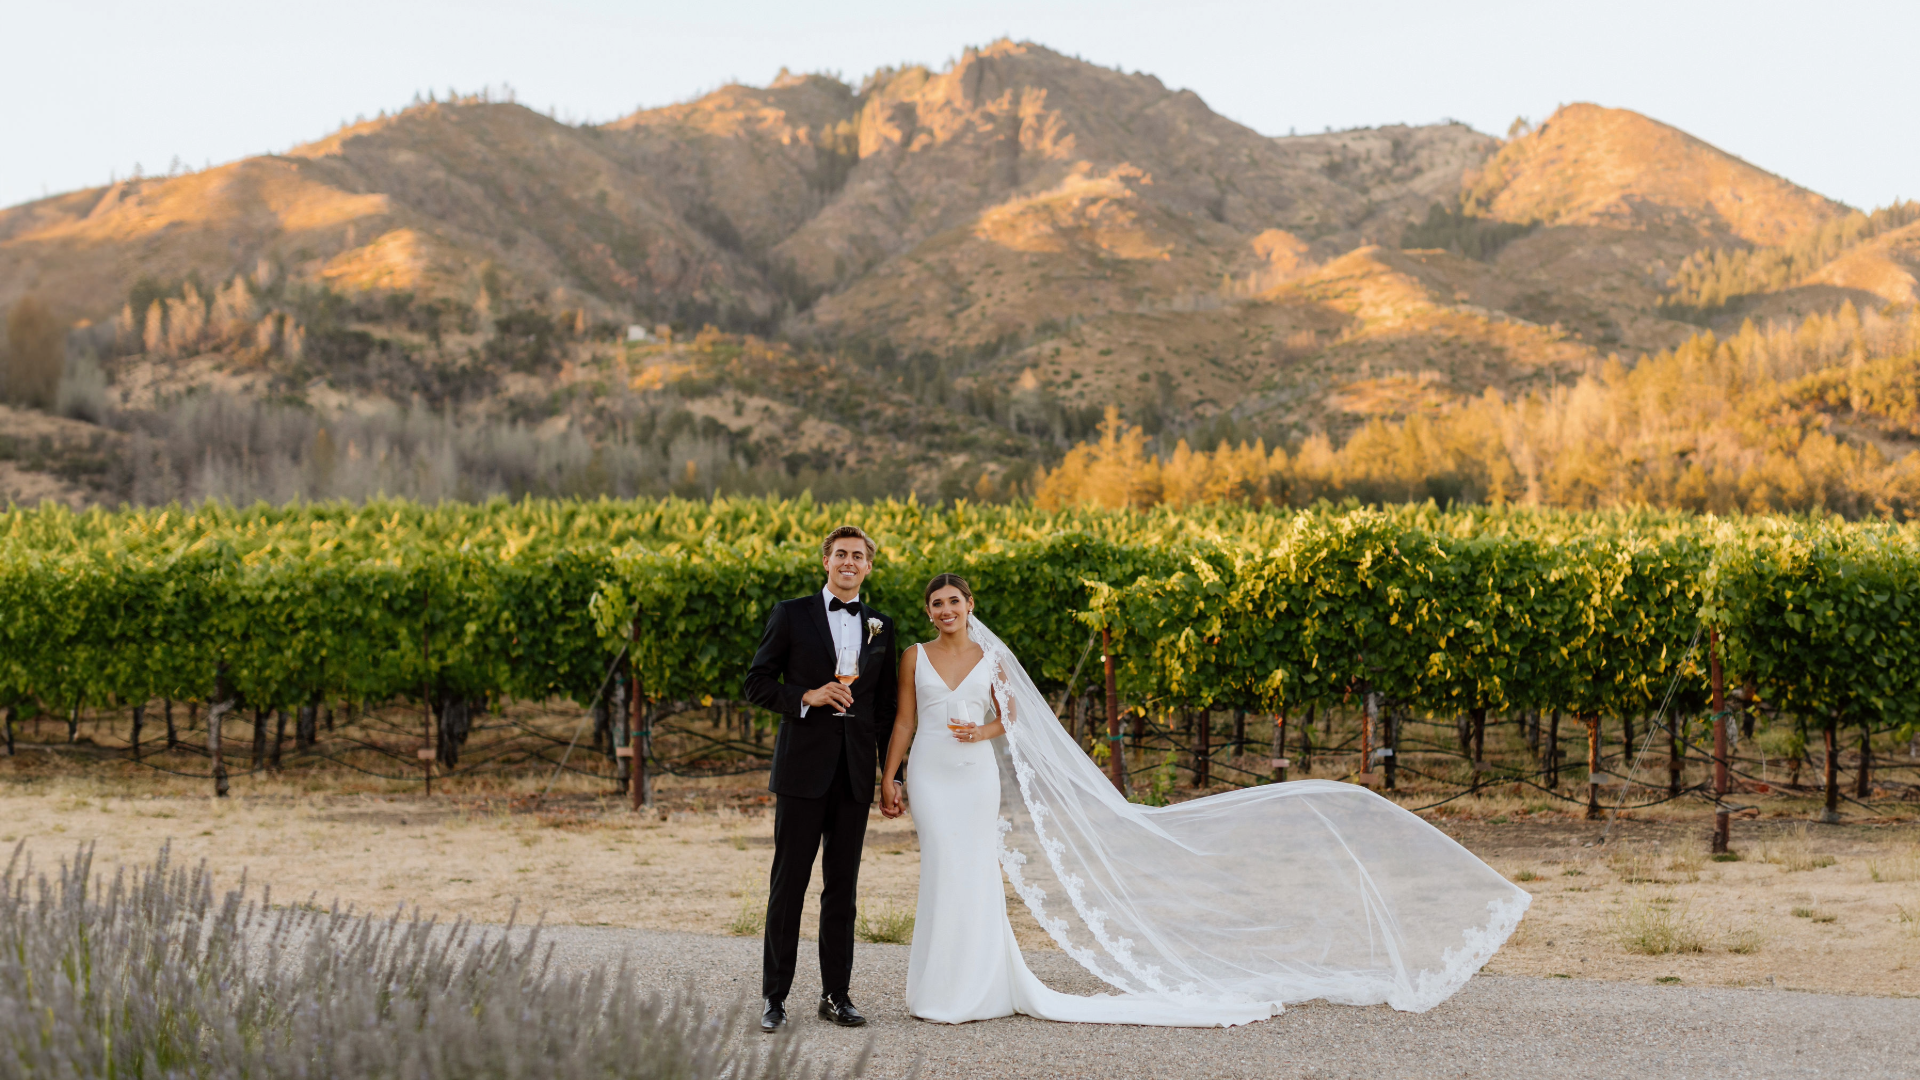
[
  {"x": 846, "y": 668},
  {"x": 958, "y": 721}
]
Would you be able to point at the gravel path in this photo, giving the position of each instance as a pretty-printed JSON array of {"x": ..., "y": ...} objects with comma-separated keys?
[{"x": 1497, "y": 1026}]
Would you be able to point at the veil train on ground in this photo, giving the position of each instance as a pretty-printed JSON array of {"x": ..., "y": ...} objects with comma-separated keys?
[{"x": 1282, "y": 893}]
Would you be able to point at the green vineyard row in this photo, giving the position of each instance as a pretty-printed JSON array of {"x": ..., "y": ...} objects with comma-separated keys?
[{"x": 1442, "y": 611}]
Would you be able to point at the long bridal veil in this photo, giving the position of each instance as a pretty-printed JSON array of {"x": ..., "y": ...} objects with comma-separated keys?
[{"x": 1283, "y": 893}]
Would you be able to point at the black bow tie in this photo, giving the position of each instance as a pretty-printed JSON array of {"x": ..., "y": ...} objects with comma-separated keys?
[{"x": 850, "y": 607}]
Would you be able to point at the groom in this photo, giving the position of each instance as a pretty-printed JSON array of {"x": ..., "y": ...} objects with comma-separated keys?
[{"x": 823, "y": 766}]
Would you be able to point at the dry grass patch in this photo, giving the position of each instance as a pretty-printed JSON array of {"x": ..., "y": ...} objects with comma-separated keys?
[
  {"x": 1657, "y": 925},
  {"x": 1900, "y": 866},
  {"x": 750, "y": 918},
  {"x": 1687, "y": 864},
  {"x": 1792, "y": 850},
  {"x": 886, "y": 924},
  {"x": 1744, "y": 940},
  {"x": 1636, "y": 865}
]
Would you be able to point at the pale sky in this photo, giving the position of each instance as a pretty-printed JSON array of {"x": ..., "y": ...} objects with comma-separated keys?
[{"x": 1820, "y": 93}]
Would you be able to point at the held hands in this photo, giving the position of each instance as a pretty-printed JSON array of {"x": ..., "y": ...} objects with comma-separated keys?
[
  {"x": 834, "y": 694},
  {"x": 893, "y": 798}
]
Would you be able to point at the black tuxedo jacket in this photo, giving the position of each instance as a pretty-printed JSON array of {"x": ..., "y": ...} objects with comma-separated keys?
[{"x": 795, "y": 656}]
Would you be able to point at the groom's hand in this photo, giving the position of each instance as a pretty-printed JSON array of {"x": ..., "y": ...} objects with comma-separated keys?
[
  {"x": 834, "y": 694},
  {"x": 892, "y": 802}
]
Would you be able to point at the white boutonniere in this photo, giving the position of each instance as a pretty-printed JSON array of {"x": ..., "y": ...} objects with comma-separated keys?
[{"x": 874, "y": 627}]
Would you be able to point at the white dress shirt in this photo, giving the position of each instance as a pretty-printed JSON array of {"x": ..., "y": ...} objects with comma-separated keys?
[{"x": 844, "y": 626}]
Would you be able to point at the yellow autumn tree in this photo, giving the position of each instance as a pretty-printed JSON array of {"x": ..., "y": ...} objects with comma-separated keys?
[
  {"x": 1112, "y": 471},
  {"x": 1117, "y": 471},
  {"x": 1814, "y": 415}
]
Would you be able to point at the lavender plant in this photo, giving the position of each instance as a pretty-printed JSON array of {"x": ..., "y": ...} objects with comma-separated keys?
[{"x": 151, "y": 974}]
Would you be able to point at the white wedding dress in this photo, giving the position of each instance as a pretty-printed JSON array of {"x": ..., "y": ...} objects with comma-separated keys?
[
  {"x": 1213, "y": 912},
  {"x": 965, "y": 964}
]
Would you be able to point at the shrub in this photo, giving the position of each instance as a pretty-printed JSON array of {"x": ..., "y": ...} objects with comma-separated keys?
[
  {"x": 34, "y": 353},
  {"x": 82, "y": 393},
  {"x": 1463, "y": 233},
  {"x": 155, "y": 975}
]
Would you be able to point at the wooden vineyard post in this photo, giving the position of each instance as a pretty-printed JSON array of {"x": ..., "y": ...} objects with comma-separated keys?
[
  {"x": 1280, "y": 747},
  {"x": 1479, "y": 746},
  {"x": 619, "y": 733},
  {"x": 1675, "y": 761},
  {"x": 214, "y": 712},
  {"x": 139, "y": 714},
  {"x": 1239, "y": 732},
  {"x": 1202, "y": 749},
  {"x": 1831, "y": 733},
  {"x": 1390, "y": 747},
  {"x": 1116, "y": 760},
  {"x": 13, "y": 715},
  {"x": 1722, "y": 819},
  {"x": 1863, "y": 785},
  {"x": 1369, "y": 705},
  {"x": 1592, "y": 723},
  {"x": 636, "y": 729},
  {"x": 426, "y": 753},
  {"x": 216, "y": 709},
  {"x": 1553, "y": 751}
]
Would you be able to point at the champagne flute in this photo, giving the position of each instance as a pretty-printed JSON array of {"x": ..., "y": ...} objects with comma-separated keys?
[
  {"x": 846, "y": 668},
  {"x": 959, "y": 720}
]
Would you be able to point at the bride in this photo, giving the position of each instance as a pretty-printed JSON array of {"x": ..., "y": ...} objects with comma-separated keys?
[{"x": 1212, "y": 912}]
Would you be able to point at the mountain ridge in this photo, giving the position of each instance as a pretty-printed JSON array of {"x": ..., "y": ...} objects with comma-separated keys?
[{"x": 1015, "y": 243}]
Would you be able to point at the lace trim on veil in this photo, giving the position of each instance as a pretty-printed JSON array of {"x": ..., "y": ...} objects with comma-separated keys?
[
  {"x": 1014, "y": 862},
  {"x": 1415, "y": 990},
  {"x": 1430, "y": 988},
  {"x": 1095, "y": 920}
]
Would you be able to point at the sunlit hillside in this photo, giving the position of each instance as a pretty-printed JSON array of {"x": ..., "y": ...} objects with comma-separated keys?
[{"x": 936, "y": 281}]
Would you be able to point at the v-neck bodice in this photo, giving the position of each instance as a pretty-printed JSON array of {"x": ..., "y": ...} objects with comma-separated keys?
[
  {"x": 936, "y": 700},
  {"x": 925, "y": 663}
]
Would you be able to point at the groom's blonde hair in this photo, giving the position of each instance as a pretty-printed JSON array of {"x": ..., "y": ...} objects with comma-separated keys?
[{"x": 842, "y": 533}]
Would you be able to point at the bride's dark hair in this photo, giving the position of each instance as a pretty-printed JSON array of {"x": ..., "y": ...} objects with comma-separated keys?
[{"x": 941, "y": 581}]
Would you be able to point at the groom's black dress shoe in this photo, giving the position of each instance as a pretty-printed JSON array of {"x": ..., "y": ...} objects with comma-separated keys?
[
  {"x": 840, "y": 1012},
  {"x": 774, "y": 1018}
]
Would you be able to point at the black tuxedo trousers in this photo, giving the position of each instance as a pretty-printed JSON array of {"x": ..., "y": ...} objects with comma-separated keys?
[
  {"x": 835, "y": 825},
  {"x": 823, "y": 782}
]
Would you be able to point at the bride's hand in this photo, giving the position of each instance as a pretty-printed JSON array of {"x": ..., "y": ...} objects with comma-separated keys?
[
  {"x": 892, "y": 798},
  {"x": 982, "y": 733}
]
